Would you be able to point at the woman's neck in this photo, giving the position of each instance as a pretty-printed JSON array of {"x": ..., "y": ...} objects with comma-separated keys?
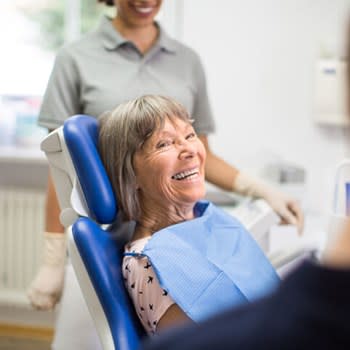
[
  {"x": 143, "y": 37},
  {"x": 155, "y": 219}
]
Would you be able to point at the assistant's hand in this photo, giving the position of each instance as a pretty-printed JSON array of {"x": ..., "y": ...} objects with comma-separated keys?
[
  {"x": 46, "y": 289},
  {"x": 286, "y": 207}
]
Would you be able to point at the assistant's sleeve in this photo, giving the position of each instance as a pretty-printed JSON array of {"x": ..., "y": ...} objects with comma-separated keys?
[
  {"x": 202, "y": 113},
  {"x": 62, "y": 98}
]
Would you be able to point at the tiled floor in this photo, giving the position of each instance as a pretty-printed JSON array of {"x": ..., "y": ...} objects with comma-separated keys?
[{"x": 23, "y": 328}]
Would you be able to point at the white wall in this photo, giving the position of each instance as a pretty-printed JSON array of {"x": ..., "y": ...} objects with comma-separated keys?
[{"x": 259, "y": 56}]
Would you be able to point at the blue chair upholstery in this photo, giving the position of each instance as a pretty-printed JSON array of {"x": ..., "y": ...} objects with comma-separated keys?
[
  {"x": 102, "y": 259},
  {"x": 81, "y": 137},
  {"x": 100, "y": 252}
]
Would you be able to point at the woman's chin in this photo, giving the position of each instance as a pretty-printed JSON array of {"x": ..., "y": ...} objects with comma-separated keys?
[{"x": 195, "y": 196}]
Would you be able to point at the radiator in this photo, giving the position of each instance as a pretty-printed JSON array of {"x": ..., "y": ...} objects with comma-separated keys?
[{"x": 21, "y": 239}]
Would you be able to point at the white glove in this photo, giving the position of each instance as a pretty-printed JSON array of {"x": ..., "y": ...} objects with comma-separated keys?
[
  {"x": 286, "y": 207},
  {"x": 46, "y": 289}
]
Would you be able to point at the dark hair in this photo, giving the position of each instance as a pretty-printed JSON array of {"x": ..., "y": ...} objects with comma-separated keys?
[{"x": 107, "y": 2}]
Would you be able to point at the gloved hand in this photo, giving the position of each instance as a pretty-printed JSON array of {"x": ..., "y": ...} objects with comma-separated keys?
[
  {"x": 46, "y": 289},
  {"x": 286, "y": 207}
]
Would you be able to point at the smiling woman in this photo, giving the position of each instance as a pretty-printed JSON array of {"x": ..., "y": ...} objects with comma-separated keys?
[
  {"x": 147, "y": 165},
  {"x": 170, "y": 171},
  {"x": 184, "y": 251}
]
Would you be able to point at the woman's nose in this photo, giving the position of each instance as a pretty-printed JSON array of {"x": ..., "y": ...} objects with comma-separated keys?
[{"x": 187, "y": 149}]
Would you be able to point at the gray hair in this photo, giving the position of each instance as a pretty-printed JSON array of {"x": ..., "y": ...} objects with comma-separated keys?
[{"x": 123, "y": 131}]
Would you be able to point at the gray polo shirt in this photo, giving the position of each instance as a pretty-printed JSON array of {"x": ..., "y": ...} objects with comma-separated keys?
[{"x": 103, "y": 69}]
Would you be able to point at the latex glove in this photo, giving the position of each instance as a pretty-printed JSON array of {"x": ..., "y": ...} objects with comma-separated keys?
[
  {"x": 46, "y": 289},
  {"x": 286, "y": 207}
]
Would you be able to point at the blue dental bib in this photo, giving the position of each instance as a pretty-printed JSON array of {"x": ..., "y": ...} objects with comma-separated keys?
[{"x": 210, "y": 263}]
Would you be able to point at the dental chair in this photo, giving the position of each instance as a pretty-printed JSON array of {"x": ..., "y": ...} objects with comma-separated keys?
[{"x": 88, "y": 209}]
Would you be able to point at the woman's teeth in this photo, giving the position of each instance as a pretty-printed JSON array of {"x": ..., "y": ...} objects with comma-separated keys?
[{"x": 185, "y": 174}]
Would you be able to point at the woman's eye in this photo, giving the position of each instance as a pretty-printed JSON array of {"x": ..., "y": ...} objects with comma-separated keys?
[
  {"x": 164, "y": 143},
  {"x": 191, "y": 135}
]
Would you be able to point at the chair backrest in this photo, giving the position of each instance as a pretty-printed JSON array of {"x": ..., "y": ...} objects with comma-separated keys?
[
  {"x": 81, "y": 137},
  {"x": 95, "y": 253}
]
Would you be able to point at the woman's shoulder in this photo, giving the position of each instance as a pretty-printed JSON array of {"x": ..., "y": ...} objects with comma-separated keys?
[
  {"x": 134, "y": 262},
  {"x": 136, "y": 246},
  {"x": 133, "y": 253}
]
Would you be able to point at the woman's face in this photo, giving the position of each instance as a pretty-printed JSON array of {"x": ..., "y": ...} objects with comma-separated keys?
[
  {"x": 170, "y": 167},
  {"x": 137, "y": 12}
]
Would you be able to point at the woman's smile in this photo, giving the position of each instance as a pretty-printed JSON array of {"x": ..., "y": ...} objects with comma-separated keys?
[
  {"x": 190, "y": 174},
  {"x": 144, "y": 9}
]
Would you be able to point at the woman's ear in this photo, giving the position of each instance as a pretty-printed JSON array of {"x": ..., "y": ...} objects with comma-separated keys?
[{"x": 137, "y": 186}]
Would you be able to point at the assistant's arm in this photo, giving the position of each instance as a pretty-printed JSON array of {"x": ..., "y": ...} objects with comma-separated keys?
[
  {"x": 52, "y": 209},
  {"x": 60, "y": 101},
  {"x": 217, "y": 171},
  {"x": 229, "y": 178},
  {"x": 46, "y": 289}
]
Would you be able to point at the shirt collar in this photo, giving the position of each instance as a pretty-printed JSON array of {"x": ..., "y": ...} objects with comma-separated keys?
[
  {"x": 112, "y": 39},
  {"x": 164, "y": 41}
]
